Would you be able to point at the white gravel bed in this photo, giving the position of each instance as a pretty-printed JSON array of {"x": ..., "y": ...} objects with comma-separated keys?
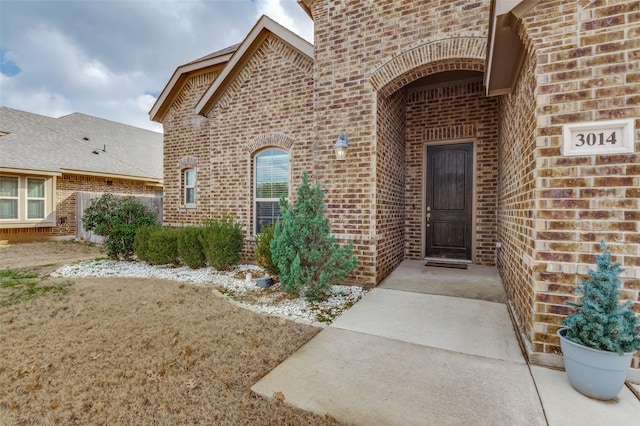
[{"x": 243, "y": 291}]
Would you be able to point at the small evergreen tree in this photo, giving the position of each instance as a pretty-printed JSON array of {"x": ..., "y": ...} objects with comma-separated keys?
[
  {"x": 600, "y": 322},
  {"x": 117, "y": 218},
  {"x": 306, "y": 254}
]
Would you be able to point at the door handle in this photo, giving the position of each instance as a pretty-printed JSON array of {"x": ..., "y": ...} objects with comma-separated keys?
[{"x": 428, "y": 220}]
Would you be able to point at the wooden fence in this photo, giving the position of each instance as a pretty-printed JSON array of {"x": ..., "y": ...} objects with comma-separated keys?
[{"x": 83, "y": 200}]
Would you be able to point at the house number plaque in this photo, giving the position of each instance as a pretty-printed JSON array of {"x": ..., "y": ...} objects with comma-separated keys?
[{"x": 598, "y": 137}]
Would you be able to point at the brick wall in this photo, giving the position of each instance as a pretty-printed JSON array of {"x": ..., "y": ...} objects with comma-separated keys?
[
  {"x": 585, "y": 65},
  {"x": 379, "y": 45},
  {"x": 390, "y": 182},
  {"x": 281, "y": 102},
  {"x": 440, "y": 114},
  {"x": 516, "y": 203},
  {"x": 186, "y": 145},
  {"x": 271, "y": 98},
  {"x": 268, "y": 104}
]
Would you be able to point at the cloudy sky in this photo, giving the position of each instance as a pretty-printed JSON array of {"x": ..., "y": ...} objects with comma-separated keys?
[{"x": 112, "y": 58}]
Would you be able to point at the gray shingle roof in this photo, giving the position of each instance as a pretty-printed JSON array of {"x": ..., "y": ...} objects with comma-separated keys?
[
  {"x": 78, "y": 142},
  {"x": 229, "y": 49}
]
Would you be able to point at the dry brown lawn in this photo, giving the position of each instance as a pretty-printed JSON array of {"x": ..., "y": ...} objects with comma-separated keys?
[{"x": 136, "y": 351}]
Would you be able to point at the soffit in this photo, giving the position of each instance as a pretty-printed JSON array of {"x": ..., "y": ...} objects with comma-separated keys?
[
  {"x": 445, "y": 78},
  {"x": 505, "y": 52},
  {"x": 306, "y": 6}
]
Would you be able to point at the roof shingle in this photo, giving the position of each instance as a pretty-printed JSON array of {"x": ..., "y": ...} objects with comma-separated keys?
[{"x": 80, "y": 143}]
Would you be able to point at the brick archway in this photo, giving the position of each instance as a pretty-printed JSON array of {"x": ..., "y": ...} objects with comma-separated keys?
[
  {"x": 400, "y": 149},
  {"x": 279, "y": 140},
  {"x": 457, "y": 53}
]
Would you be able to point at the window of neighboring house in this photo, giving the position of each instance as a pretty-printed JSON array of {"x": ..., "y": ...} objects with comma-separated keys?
[
  {"x": 35, "y": 198},
  {"x": 271, "y": 183},
  {"x": 9, "y": 197},
  {"x": 26, "y": 200},
  {"x": 189, "y": 179}
]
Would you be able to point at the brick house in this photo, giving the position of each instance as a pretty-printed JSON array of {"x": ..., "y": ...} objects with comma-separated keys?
[
  {"x": 45, "y": 162},
  {"x": 500, "y": 133}
]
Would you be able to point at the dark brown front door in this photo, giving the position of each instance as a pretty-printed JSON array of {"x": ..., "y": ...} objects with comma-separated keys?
[{"x": 449, "y": 201}]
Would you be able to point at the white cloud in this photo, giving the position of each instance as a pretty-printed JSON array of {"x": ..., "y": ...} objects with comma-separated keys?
[
  {"x": 105, "y": 58},
  {"x": 294, "y": 19},
  {"x": 39, "y": 101},
  {"x": 274, "y": 10},
  {"x": 96, "y": 73},
  {"x": 138, "y": 108}
]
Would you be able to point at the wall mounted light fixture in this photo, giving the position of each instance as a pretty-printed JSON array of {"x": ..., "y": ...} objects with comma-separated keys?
[{"x": 340, "y": 147}]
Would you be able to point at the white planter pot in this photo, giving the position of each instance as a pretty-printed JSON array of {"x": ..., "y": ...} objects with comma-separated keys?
[{"x": 594, "y": 373}]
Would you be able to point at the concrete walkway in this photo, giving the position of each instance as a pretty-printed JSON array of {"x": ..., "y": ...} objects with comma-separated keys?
[{"x": 402, "y": 357}]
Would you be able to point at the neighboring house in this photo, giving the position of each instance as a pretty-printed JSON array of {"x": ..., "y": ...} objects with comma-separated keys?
[
  {"x": 499, "y": 133},
  {"x": 45, "y": 162}
]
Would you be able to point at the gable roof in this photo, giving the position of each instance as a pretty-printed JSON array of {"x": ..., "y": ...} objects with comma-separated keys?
[
  {"x": 180, "y": 77},
  {"x": 78, "y": 143},
  {"x": 245, "y": 50}
]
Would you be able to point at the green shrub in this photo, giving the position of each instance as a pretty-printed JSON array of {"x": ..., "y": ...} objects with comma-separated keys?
[
  {"x": 117, "y": 219},
  {"x": 141, "y": 241},
  {"x": 262, "y": 250},
  {"x": 222, "y": 242},
  {"x": 162, "y": 247},
  {"x": 190, "y": 249},
  {"x": 306, "y": 254}
]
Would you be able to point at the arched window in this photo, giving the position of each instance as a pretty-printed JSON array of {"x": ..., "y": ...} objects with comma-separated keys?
[{"x": 271, "y": 182}]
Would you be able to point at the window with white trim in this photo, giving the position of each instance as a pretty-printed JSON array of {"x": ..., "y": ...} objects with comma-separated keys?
[
  {"x": 189, "y": 186},
  {"x": 35, "y": 198},
  {"x": 271, "y": 182},
  {"x": 26, "y": 200},
  {"x": 9, "y": 199}
]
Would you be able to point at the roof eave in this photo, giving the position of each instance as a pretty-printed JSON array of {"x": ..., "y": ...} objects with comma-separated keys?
[
  {"x": 148, "y": 179},
  {"x": 306, "y": 6},
  {"x": 251, "y": 42},
  {"x": 177, "y": 82},
  {"x": 505, "y": 52},
  {"x": 20, "y": 171}
]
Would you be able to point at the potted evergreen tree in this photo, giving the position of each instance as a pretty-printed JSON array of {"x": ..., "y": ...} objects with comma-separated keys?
[{"x": 601, "y": 337}]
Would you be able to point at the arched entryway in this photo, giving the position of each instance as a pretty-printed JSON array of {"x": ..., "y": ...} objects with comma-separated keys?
[{"x": 436, "y": 139}]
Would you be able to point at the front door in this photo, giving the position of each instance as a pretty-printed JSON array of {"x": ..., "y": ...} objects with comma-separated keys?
[{"x": 449, "y": 191}]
